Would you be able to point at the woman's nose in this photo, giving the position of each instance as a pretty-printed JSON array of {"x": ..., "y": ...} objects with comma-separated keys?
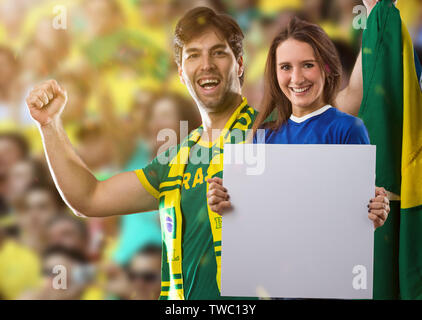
[{"x": 297, "y": 76}]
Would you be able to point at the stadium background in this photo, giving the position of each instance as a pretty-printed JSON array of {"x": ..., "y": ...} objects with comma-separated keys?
[{"x": 114, "y": 58}]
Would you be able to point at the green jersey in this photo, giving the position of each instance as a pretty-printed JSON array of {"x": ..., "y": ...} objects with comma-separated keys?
[{"x": 197, "y": 274}]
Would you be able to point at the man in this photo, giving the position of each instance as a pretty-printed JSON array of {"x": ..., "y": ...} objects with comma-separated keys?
[
  {"x": 208, "y": 52},
  {"x": 66, "y": 275},
  {"x": 13, "y": 148},
  {"x": 69, "y": 232},
  {"x": 37, "y": 205},
  {"x": 144, "y": 273}
]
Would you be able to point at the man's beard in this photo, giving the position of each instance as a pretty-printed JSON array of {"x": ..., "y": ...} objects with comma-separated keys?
[{"x": 219, "y": 103}]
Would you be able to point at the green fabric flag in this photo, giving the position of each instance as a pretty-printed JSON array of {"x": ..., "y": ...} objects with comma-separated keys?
[{"x": 390, "y": 108}]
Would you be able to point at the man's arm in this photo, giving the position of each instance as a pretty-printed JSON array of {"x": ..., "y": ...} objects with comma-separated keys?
[
  {"x": 121, "y": 194},
  {"x": 350, "y": 98}
]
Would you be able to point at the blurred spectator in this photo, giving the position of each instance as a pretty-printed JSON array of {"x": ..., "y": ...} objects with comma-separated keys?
[
  {"x": 67, "y": 275},
  {"x": 314, "y": 10},
  {"x": 244, "y": 11},
  {"x": 37, "y": 63},
  {"x": 140, "y": 113},
  {"x": 140, "y": 279},
  {"x": 118, "y": 285},
  {"x": 144, "y": 271},
  {"x": 10, "y": 88},
  {"x": 19, "y": 267},
  {"x": 69, "y": 232},
  {"x": 13, "y": 148},
  {"x": 24, "y": 173},
  {"x": 167, "y": 113},
  {"x": 55, "y": 41},
  {"x": 12, "y": 13},
  {"x": 95, "y": 148},
  {"x": 78, "y": 89},
  {"x": 103, "y": 17},
  {"x": 38, "y": 205}
]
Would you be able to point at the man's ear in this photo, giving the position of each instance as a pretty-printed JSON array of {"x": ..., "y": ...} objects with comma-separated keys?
[
  {"x": 241, "y": 67},
  {"x": 180, "y": 71}
]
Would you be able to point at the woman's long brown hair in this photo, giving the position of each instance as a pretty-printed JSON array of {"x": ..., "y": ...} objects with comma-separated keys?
[{"x": 326, "y": 54}]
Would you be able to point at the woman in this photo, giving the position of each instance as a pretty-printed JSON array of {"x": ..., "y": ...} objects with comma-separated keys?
[{"x": 302, "y": 80}]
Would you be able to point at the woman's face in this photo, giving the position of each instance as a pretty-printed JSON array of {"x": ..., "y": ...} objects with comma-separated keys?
[{"x": 299, "y": 76}]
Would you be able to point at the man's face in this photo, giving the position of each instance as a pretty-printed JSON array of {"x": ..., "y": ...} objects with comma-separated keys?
[
  {"x": 145, "y": 275},
  {"x": 66, "y": 233},
  {"x": 210, "y": 71},
  {"x": 20, "y": 177},
  {"x": 9, "y": 154},
  {"x": 39, "y": 207}
]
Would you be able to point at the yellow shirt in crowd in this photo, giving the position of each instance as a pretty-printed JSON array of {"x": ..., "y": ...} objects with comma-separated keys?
[{"x": 19, "y": 269}]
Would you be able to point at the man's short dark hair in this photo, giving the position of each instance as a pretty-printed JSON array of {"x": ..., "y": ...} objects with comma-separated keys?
[
  {"x": 47, "y": 187},
  {"x": 197, "y": 20},
  {"x": 150, "y": 249},
  {"x": 77, "y": 222},
  {"x": 72, "y": 254}
]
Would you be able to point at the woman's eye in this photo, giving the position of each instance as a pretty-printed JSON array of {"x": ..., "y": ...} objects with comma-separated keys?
[
  {"x": 193, "y": 55},
  {"x": 285, "y": 68},
  {"x": 309, "y": 65}
]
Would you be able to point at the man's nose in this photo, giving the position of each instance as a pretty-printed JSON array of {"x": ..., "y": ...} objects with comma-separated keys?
[{"x": 207, "y": 62}]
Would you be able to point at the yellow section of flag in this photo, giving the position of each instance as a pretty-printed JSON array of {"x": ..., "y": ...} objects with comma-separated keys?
[{"x": 411, "y": 186}]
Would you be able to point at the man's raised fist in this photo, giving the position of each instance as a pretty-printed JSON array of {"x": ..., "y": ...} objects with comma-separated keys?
[{"x": 46, "y": 101}]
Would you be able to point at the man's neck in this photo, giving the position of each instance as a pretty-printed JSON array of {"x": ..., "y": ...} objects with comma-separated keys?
[{"x": 217, "y": 120}]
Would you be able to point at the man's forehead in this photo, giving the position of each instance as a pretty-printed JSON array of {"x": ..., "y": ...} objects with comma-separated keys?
[{"x": 207, "y": 39}]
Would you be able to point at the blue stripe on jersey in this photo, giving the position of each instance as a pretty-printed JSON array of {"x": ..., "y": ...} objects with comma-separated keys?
[{"x": 330, "y": 127}]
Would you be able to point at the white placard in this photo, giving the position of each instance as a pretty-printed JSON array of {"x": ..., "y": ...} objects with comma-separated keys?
[{"x": 299, "y": 224}]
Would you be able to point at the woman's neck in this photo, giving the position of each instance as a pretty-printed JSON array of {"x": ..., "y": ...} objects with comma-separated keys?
[{"x": 300, "y": 112}]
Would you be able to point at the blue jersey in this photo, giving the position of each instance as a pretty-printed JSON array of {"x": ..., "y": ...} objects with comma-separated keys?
[{"x": 323, "y": 126}]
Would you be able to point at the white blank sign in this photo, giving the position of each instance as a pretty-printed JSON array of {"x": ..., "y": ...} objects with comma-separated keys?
[{"x": 300, "y": 228}]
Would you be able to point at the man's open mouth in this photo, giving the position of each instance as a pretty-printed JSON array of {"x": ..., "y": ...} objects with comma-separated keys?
[{"x": 208, "y": 83}]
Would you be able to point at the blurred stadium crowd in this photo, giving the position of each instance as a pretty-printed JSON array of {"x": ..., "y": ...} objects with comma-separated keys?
[{"x": 114, "y": 58}]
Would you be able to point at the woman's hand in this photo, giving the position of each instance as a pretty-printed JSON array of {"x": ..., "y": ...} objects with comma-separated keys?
[
  {"x": 379, "y": 207},
  {"x": 218, "y": 198}
]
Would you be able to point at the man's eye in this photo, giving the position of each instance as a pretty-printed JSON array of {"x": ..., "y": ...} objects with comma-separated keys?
[
  {"x": 219, "y": 53},
  {"x": 192, "y": 56}
]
